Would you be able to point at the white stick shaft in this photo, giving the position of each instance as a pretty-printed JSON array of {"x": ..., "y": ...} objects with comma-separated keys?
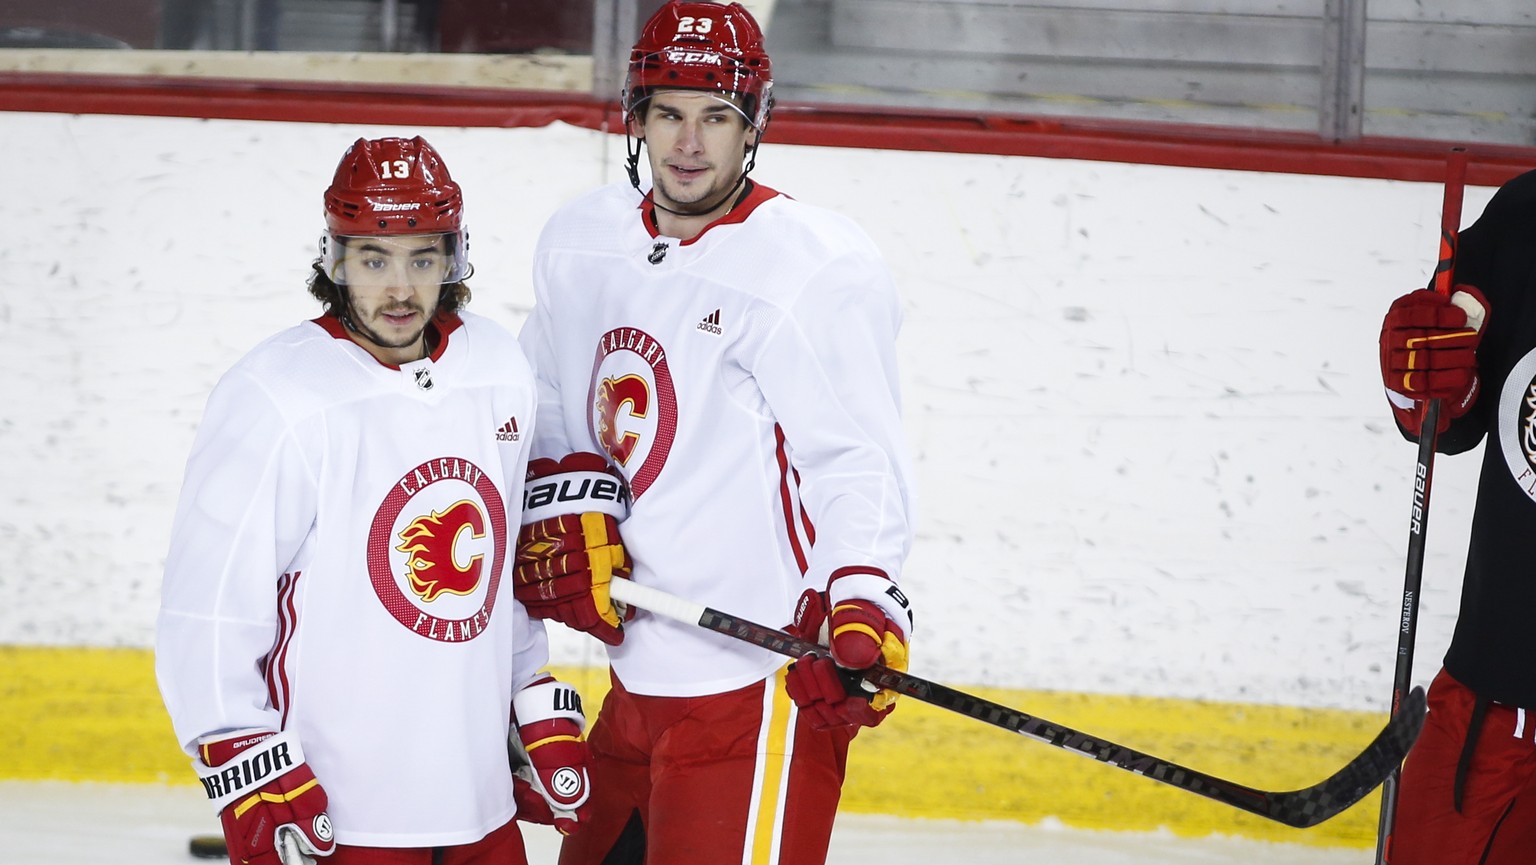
[
  {"x": 659, "y": 602},
  {"x": 291, "y": 853}
]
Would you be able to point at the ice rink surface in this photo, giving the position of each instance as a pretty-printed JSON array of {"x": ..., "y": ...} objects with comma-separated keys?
[{"x": 56, "y": 823}]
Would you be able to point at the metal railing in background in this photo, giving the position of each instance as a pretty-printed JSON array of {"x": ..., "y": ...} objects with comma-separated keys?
[
  {"x": 1340, "y": 107},
  {"x": 1340, "y": 69}
]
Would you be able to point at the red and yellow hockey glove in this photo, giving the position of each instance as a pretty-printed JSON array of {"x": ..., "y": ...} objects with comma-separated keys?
[
  {"x": 550, "y": 784},
  {"x": 864, "y": 619},
  {"x": 1429, "y": 351},
  {"x": 569, "y": 548},
  {"x": 264, "y": 791}
]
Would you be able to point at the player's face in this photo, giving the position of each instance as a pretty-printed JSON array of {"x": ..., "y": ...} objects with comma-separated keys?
[
  {"x": 695, "y": 142},
  {"x": 393, "y": 284}
]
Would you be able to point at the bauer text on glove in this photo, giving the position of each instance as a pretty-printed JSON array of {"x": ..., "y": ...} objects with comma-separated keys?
[{"x": 569, "y": 548}]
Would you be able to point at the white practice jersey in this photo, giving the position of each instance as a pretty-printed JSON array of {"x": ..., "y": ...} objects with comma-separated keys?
[
  {"x": 745, "y": 384},
  {"x": 339, "y": 567}
]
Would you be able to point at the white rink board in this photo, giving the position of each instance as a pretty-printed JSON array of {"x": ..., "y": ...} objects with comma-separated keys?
[{"x": 1152, "y": 449}]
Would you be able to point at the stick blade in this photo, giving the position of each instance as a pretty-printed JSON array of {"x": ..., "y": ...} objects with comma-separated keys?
[{"x": 1310, "y": 806}]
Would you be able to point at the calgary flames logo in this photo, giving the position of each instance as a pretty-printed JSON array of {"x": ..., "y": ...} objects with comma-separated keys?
[
  {"x": 627, "y": 394},
  {"x": 430, "y": 544},
  {"x": 633, "y": 405},
  {"x": 436, "y": 549}
]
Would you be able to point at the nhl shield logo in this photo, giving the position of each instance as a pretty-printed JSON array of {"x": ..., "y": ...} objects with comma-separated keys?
[
  {"x": 424, "y": 378},
  {"x": 658, "y": 252}
]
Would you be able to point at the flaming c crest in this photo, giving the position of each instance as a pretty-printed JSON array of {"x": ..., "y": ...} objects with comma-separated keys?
[
  {"x": 630, "y": 395},
  {"x": 429, "y": 544}
]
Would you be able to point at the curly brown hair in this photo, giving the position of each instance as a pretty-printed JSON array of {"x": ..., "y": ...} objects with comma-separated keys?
[{"x": 334, "y": 300}]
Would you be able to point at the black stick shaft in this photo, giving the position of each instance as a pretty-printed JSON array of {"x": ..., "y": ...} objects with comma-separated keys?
[
  {"x": 1298, "y": 808},
  {"x": 1423, "y": 479}
]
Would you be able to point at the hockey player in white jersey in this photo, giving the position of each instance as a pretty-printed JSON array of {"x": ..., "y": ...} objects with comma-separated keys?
[
  {"x": 727, "y": 355},
  {"x": 336, "y": 645}
]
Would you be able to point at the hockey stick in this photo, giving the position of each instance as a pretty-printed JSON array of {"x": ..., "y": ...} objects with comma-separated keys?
[
  {"x": 1423, "y": 476},
  {"x": 214, "y": 847},
  {"x": 289, "y": 851},
  {"x": 1299, "y": 808}
]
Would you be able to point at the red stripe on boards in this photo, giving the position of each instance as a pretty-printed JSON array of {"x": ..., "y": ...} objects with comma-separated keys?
[{"x": 877, "y": 127}]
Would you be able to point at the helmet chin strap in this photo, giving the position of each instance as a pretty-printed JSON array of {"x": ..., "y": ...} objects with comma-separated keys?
[
  {"x": 702, "y": 209},
  {"x": 344, "y": 315},
  {"x": 632, "y": 159},
  {"x": 633, "y": 166}
]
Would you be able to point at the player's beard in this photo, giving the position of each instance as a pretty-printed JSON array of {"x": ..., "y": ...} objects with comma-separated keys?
[
  {"x": 693, "y": 202},
  {"x": 363, "y": 323}
]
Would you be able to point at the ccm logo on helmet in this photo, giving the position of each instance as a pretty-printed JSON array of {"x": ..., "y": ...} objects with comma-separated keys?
[{"x": 693, "y": 57}]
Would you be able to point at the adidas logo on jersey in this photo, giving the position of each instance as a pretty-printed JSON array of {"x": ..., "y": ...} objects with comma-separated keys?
[
  {"x": 508, "y": 431},
  {"x": 711, "y": 323}
]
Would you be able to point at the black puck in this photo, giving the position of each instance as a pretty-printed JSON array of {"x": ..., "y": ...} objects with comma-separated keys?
[{"x": 208, "y": 847}]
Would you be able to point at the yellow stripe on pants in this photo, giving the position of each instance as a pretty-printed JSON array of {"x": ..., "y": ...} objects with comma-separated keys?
[{"x": 775, "y": 748}]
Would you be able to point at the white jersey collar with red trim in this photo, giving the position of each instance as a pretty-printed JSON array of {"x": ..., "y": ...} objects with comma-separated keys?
[
  {"x": 443, "y": 324},
  {"x": 756, "y": 194}
]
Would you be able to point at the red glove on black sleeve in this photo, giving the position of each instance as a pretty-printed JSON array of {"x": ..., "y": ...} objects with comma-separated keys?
[{"x": 1429, "y": 351}]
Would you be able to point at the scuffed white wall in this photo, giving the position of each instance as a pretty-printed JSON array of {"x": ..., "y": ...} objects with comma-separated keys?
[{"x": 1153, "y": 453}]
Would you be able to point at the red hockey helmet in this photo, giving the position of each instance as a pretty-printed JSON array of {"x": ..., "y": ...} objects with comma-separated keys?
[
  {"x": 390, "y": 187},
  {"x": 702, "y": 46}
]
